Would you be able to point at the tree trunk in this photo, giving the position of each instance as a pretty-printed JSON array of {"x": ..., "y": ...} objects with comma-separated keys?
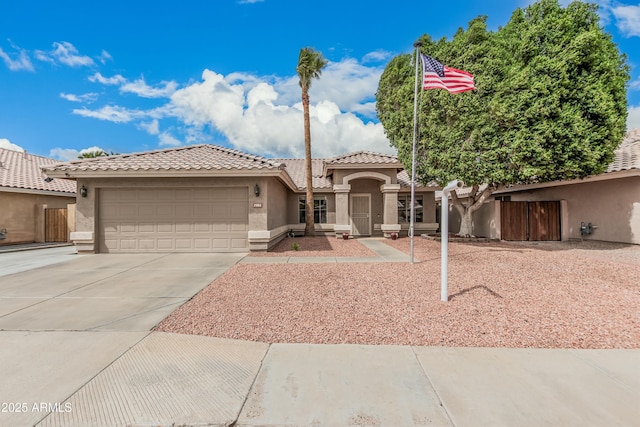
[
  {"x": 310, "y": 228},
  {"x": 466, "y": 208}
]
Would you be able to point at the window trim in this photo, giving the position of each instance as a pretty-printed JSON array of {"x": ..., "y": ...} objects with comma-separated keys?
[
  {"x": 302, "y": 207},
  {"x": 407, "y": 210}
]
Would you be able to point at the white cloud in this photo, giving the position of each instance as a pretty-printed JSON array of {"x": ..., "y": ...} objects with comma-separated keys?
[
  {"x": 8, "y": 145},
  {"x": 140, "y": 88},
  {"x": 627, "y": 19},
  {"x": 67, "y": 54},
  {"x": 152, "y": 127},
  {"x": 167, "y": 140},
  {"x": 635, "y": 84},
  {"x": 347, "y": 83},
  {"x": 633, "y": 118},
  {"x": 64, "y": 154},
  {"x": 67, "y": 154},
  {"x": 260, "y": 114},
  {"x": 86, "y": 97},
  {"x": 22, "y": 62},
  {"x": 110, "y": 113},
  {"x": 252, "y": 121},
  {"x": 249, "y": 1},
  {"x": 104, "y": 56},
  {"x": 115, "y": 80},
  {"x": 376, "y": 56}
]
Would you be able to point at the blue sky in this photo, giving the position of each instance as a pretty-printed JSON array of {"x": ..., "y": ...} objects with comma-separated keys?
[{"x": 140, "y": 75}]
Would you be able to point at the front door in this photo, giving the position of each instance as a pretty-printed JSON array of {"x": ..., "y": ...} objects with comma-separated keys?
[{"x": 361, "y": 214}]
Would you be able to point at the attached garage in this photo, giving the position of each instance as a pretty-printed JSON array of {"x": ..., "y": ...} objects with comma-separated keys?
[
  {"x": 201, "y": 198},
  {"x": 173, "y": 219}
]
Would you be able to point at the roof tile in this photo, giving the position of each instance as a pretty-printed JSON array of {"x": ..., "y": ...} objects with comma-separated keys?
[
  {"x": 23, "y": 170},
  {"x": 627, "y": 155},
  {"x": 195, "y": 157}
]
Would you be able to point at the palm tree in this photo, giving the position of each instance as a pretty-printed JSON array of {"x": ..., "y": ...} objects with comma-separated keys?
[
  {"x": 95, "y": 153},
  {"x": 310, "y": 65}
]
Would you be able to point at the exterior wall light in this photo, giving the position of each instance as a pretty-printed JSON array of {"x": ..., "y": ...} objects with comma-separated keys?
[
  {"x": 256, "y": 190},
  {"x": 84, "y": 191}
]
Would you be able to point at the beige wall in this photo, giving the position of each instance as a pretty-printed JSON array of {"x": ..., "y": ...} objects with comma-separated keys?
[
  {"x": 259, "y": 217},
  {"x": 276, "y": 203},
  {"x": 339, "y": 174},
  {"x": 20, "y": 217},
  {"x": 612, "y": 205}
]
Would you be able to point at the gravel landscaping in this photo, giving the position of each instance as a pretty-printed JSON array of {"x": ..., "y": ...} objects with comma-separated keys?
[
  {"x": 500, "y": 295},
  {"x": 319, "y": 246}
]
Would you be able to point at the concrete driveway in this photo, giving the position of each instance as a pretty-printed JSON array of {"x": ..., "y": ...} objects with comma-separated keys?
[
  {"x": 63, "y": 323},
  {"x": 105, "y": 292}
]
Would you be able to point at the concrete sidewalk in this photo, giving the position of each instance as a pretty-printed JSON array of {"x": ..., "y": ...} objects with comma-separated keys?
[{"x": 171, "y": 379}]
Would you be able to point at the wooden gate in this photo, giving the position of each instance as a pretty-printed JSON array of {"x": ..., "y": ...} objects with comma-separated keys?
[
  {"x": 535, "y": 221},
  {"x": 55, "y": 225}
]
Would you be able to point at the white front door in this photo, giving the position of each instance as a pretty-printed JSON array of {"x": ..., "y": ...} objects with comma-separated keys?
[{"x": 361, "y": 214}]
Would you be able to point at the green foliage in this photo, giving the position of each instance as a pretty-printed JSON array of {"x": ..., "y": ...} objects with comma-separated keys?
[
  {"x": 310, "y": 65},
  {"x": 95, "y": 153},
  {"x": 295, "y": 246},
  {"x": 550, "y": 102}
]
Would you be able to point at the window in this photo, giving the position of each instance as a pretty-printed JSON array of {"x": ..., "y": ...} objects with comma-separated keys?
[
  {"x": 404, "y": 208},
  {"x": 319, "y": 210}
]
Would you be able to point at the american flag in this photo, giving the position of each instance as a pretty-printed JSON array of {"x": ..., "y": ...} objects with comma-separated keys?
[{"x": 438, "y": 76}]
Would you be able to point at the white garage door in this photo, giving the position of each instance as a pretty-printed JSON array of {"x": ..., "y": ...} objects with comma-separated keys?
[{"x": 174, "y": 219}]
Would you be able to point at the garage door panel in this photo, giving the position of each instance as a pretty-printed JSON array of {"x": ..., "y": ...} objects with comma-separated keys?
[
  {"x": 146, "y": 211},
  {"x": 183, "y": 228},
  {"x": 238, "y": 193},
  {"x": 147, "y": 244},
  {"x": 184, "y": 195},
  {"x": 146, "y": 228},
  {"x": 174, "y": 220},
  {"x": 128, "y": 195}
]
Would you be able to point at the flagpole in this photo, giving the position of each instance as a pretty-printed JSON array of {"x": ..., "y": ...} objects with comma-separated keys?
[{"x": 416, "y": 45}]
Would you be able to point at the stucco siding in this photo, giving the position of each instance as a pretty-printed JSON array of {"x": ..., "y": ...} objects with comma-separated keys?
[
  {"x": 19, "y": 217},
  {"x": 276, "y": 204},
  {"x": 612, "y": 205}
]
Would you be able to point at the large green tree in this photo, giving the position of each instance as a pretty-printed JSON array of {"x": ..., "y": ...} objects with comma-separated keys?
[
  {"x": 550, "y": 103},
  {"x": 310, "y": 65}
]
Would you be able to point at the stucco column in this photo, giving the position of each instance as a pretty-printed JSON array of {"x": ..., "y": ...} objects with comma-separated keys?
[
  {"x": 342, "y": 224},
  {"x": 390, "y": 212},
  {"x": 86, "y": 222}
]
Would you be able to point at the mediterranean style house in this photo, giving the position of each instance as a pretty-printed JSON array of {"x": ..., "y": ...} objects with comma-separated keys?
[
  {"x": 33, "y": 208},
  {"x": 206, "y": 198}
]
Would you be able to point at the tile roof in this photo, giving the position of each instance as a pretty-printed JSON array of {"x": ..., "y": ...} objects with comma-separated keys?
[
  {"x": 627, "y": 155},
  {"x": 295, "y": 169},
  {"x": 191, "y": 158},
  {"x": 363, "y": 158},
  {"x": 22, "y": 170}
]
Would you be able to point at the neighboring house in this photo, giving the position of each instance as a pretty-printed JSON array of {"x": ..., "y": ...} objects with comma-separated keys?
[
  {"x": 32, "y": 209},
  {"x": 206, "y": 198},
  {"x": 604, "y": 207}
]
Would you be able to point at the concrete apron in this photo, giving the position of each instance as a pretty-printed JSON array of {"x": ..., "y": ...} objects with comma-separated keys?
[
  {"x": 61, "y": 325},
  {"x": 171, "y": 379}
]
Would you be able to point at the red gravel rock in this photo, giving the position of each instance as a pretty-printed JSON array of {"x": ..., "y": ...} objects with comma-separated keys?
[
  {"x": 500, "y": 295},
  {"x": 322, "y": 246}
]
